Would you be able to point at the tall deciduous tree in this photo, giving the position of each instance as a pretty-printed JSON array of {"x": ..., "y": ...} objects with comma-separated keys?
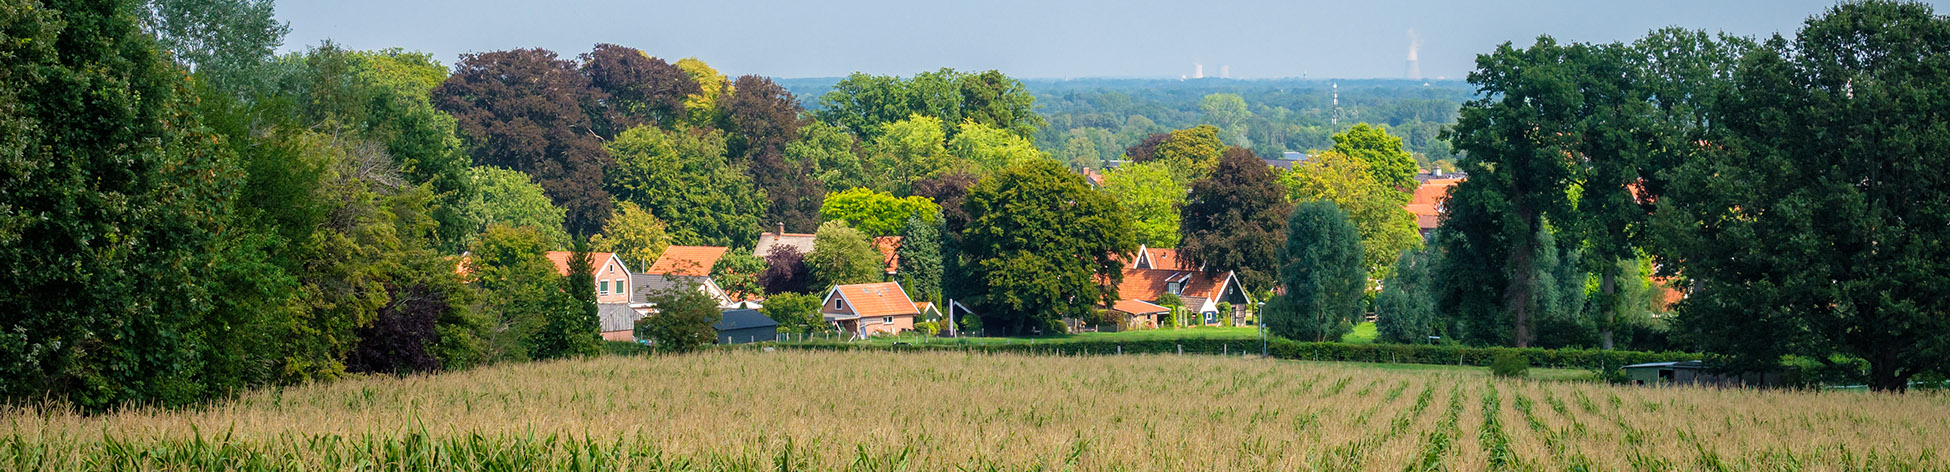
[
  {"x": 1405, "y": 309},
  {"x": 1320, "y": 268},
  {"x": 843, "y": 255},
  {"x": 1040, "y": 246},
  {"x": 1376, "y": 208},
  {"x": 833, "y": 154},
  {"x": 1148, "y": 194},
  {"x": 634, "y": 235},
  {"x": 907, "y": 150},
  {"x": 683, "y": 178},
  {"x": 877, "y": 213},
  {"x": 524, "y": 110},
  {"x": 511, "y": 198},
  {"x": 1235, "y": 219},
  {"x": 1815, "y": 225},
  {"x": 1516, "y": 137},
  {"x": 226, "y": 42},
  {"x": 628, "y": 88},
  {"x": 570, "y": 327},
  {"x": 684, "y": 320},
  {"x": 785, "y": 271},
  {"x": 1383, "y": 155},
  {"x": 762, "y": 119}
]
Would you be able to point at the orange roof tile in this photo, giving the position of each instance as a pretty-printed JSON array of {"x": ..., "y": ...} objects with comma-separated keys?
[
  {"x": 877, "y": 299},
  {"x": 687, "y": 260},
  {"x": 1433, "y": 192},
  {"x": 889, "y": 247},
  {"x": 1149, "y": 284},
  {"x": 561, "y": 260},
  {"x": 1167, "y": 259},
  {"x": 1138, "y": 307}
]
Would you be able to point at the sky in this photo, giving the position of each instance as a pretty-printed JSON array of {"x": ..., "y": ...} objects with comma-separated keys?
[{"x": 1027, "y": 38}]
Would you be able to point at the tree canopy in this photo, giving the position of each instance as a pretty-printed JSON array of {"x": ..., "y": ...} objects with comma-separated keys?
[
  {"x": 1040, "y": 246},
  {"x": 1320, "y": 268},
  {"x": 877, "y": 213},
  {"x": 1235, "y": 219}
]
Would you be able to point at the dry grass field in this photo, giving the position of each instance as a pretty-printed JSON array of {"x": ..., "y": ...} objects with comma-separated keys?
[{"x": 748, "y": 410}]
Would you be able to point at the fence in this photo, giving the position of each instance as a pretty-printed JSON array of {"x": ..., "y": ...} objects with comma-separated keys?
[{"x": 1288, "y": 349}]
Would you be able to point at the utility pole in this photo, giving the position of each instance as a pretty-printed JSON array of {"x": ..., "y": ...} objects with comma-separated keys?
[{"x": 1335, "y": 122}]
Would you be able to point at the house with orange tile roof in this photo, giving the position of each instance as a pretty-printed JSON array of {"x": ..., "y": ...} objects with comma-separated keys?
[
  {"x": 1161, "y": 258},
  {"x": 1427, "y": 201},
  {"x": 687, "y": 260},
  {"x": 1138, "y": 314},
  {"x": 864, "y": 310},
  {"x": 612, "y": 276},
  {"x": 1198, "y": 291}
]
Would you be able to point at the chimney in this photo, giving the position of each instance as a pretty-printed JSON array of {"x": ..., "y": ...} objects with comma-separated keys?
[{"x": 782, "y": 229}]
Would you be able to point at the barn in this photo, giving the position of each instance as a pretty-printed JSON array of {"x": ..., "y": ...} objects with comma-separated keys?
[{"x": 745, "y": 325}]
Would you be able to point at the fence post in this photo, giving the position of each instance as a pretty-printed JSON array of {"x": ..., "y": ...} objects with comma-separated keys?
[
  {"x": 1225, "y": 349},
  {"x": 1181, "y": 349},
  {"x": 1120, "y": 349}
]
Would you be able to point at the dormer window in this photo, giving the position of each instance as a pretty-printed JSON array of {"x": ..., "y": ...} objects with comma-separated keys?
[{"x": 1174, "y": 287}]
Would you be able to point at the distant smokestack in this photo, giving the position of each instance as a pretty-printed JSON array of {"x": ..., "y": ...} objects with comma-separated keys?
[
  {"x": 1225, "y": 71},
  {"x": 1413, "y": 69},
  {"x": 1198, "y": 70}
]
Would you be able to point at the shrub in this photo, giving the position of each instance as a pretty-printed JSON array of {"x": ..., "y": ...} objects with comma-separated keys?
[{"x": 1510, "y": 364}]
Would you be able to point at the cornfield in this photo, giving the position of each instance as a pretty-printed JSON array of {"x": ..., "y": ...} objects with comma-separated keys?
[{"x": 873, "y": 411}]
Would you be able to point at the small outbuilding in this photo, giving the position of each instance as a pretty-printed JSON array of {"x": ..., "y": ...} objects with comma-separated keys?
[
  {"x": 746, "y": 326},
  {"x": 1696, "y": 373}
]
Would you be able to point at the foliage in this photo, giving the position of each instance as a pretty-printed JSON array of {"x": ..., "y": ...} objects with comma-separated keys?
[
  {"x": 634, "y": 234},
  {"x": 906, "y": 150},
  {"x": 628, "y": 88},
  {"x": 833, "y": 154},
  {"x": 1320, "y": 267},
  {"x": 877, "y": 213},
  {"x": 986, "y": 149},
  {"x": 570, "y": 327},
  {"x": 863, "y": 103},
  {"x": 1150, "y": 197},
  {"x": 1191, "y": 153},
  {"x": 228, "y": 43},
  {"x": 510, "y": 198},
  {"x": 1385, "y": 160},
  {"x": 1228, "y": 112},
  {"x": 786, "y": 272},
  {"x": 796, "y": 313},
  {"x": 523, "y": 110},
  {"x": 701, "y": 107},
  {"x": 1039, "y": 245},
  {"x": 1386, "y": 228},
  {"x": 683, "y": 321},
  {"x": 1233, "y": 220},
  {"x": 1510, "y": 364},
  {"x": 762, "y": 118},
  {"x": 519, "y": 284},
  {"x": 842, "y": 255},
  {"x": 683, "y": 178},
  {"x": 738, "y": 274},
  {"x": 1814, "y": 224},
  {"x": 920, "y": 258},
  {"x": 1405, "y": 309}
]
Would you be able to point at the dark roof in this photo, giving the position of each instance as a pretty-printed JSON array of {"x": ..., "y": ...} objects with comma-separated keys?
[
  {"x": 616, "y": 317},
  {"x": 1282, "y": 164},
  {"x": 643, "y": 284},
  {"x": 742, "y": 319}
]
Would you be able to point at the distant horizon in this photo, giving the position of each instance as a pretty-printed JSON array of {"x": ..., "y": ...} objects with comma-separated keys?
[{"x": 1140, "y": 39}]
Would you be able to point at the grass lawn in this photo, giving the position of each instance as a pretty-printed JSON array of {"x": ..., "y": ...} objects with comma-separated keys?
[{"x": 1363, "y": 334}]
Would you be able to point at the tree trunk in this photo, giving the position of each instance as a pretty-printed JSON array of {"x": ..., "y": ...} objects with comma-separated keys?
[
  {"x": 1608, "y": 298},
  {"x": 1518, "y": 293},
  {"x": 1883, "y": 375}
]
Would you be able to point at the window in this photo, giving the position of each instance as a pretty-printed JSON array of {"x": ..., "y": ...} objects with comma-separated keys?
[
  {"x": 605, "y": 290},
  {"x": 887, "y": 320},
  {"x": 1173, "y": 287},
  {"x": 839, "y": 303}
]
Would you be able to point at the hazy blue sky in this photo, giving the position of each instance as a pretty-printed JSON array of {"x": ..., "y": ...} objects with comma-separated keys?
[{"x": 1025, "y": 38}]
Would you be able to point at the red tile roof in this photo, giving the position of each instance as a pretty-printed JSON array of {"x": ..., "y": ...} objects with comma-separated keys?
[
  {"x": 687, "y": 260},
  {"x": 889, "y": 247},
  {"x": 1149, "y": 284},
  {"x": 1433, "y": 192},
  {"x": 1167, "y": 259},
  {"x": 1138, "y": 307},
  {"x": 878, "y": 299},
  {"x": 561, "y": 260}
]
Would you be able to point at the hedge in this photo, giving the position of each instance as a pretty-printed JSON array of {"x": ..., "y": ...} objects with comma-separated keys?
[{"x": 1297, "y": 350}]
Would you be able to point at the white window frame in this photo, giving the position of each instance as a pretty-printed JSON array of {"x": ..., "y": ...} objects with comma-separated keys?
[{"x": 887, "y": 320}]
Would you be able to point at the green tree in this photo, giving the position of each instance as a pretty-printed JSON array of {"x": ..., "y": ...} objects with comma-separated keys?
[
  {"x": 1320, "y": 267},
  {"x": 634, "y": 234},
  {"x": 1515, "y": 137},
  {"x": 518, "y": 281},
  {"x": 510, "y": 198},
  {"x": 1081, "y": 151},
  {"x": 796, "y": 313},
  {"x": 1039, "y": 246},
  {"x": 737, "y": 273},
  {"x": 1151, "y": 198},
  {"x": 570, "y": 327},
  {"x": 843, "y": 255},
  {"x": 876, "y": 213},
  {"x": 1390, "y": 165},
  {"x": 683, "y": 178},
  {"x": 1405, "y": 309},
  {"x": 833, "y": 154},
  {"x": 987, "y": 149},
  {"x": 920, "y": 258},
  {"x": 1814, "y": 224},
  {"x": 702, "y": 108},
  {"x": 863, "y": 103},
  {"x": 906, "y": 150},
  {"x": 1386, "y": 228},
  {"x": 683, "y": 321},
  {"x": 1233, "y": 220},
  {"x": 1228, "y": 112},
  {"x": 1191, "y": 153},
  {"x": 227, "y": 43},
  {"x": 523, "y": 110}
]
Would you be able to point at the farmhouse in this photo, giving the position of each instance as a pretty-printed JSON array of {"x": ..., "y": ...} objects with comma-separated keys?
[
  {"x": 687, "y": 260},
  {"x": 801, "y": 242},
  {"x": 1154, "y": 273},
  {"x": 1136, "y": 314},
  {"x": 863, "y": 310},
  {"x": 1696, "y": 373}
]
